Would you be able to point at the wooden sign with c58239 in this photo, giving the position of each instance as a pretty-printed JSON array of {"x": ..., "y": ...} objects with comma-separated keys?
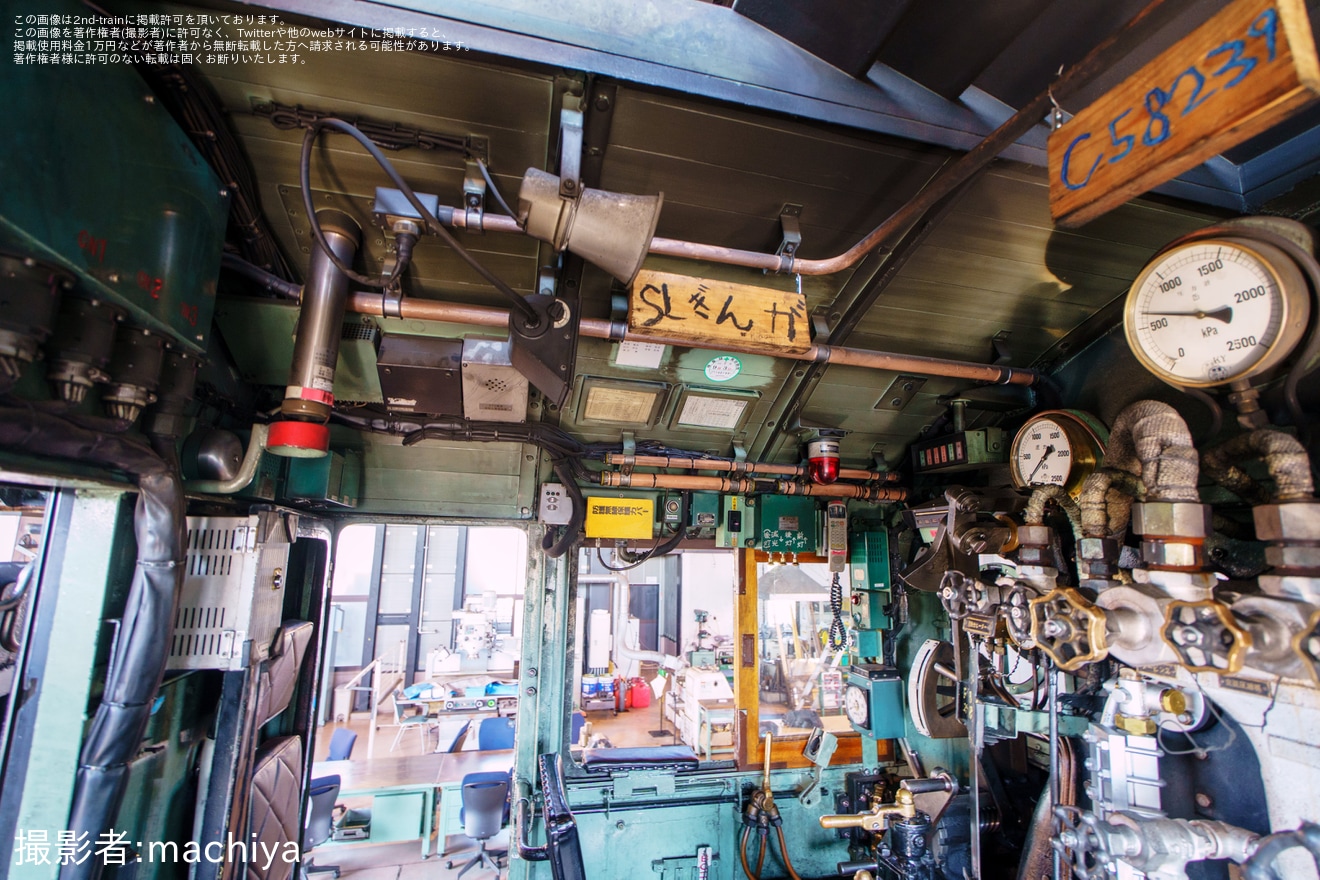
[{"x": 1246, "y": 69}]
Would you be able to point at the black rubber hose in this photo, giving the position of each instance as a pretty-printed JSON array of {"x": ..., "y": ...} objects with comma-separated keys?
[
  {"x": 116, "y": 731},
  {"x": 555, "y": 549},
  {"x": 267, "y": 280}
]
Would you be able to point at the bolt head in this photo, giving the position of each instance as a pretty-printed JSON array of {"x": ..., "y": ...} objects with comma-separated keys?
[{"x": 1290, "y": 521}]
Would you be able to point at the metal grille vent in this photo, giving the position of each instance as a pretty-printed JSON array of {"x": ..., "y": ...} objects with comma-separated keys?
[
  {"x": 360, "y": 331},
  {"x": 199, "y": 632}
]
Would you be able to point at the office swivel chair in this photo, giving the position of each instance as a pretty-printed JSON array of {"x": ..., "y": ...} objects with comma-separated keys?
[
  {"x": 321, "y": 796},
  {"x": 341, "y": 744},
  {"x": 485, "y": 811},
  {"x": 495, "y": 733}
]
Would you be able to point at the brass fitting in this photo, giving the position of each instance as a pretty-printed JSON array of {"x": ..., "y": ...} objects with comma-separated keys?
[
  {"x": 877, "y": 820},
  {"x": 1205, "y": 636},
  {"x": 1068, "y": 628}
]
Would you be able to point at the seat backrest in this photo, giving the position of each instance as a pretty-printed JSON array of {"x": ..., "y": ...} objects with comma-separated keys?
[
  {"x": 579, "y": 722},
  {"x": 398, "y": 707},
  {"x": 495, "y": 733},
  {"x": 321, "y": 796},
  {"x": 456, "y": 744},
  {"x": 483, "y": 806},
  {"x": 341, "y": 744}
]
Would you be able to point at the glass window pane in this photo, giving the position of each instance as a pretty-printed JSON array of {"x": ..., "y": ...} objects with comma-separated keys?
[
  {"x": 801, "y": 681},
  {"x": 397, "y": 568},
  {"x": 355, "y": 550}
]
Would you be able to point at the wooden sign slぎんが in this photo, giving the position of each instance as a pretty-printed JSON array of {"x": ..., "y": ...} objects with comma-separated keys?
[{"x": 703, "y": 311}]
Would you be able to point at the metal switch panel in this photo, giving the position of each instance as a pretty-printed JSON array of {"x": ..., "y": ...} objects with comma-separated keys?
[{"x": 556, "y": 506}]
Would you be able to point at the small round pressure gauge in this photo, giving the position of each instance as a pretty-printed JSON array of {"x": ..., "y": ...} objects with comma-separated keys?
[
  {"x": 1213, "y": 311},
  {"x": 857, "y": 705},
  {"x": 1057, "y": 448}
]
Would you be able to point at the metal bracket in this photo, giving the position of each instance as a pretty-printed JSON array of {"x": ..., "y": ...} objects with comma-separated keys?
[
  {"x": 474, "y": 197},
  {"x": 545, "y": 281},
  {"x": 820, "y": 323},
  {"x": 626, "y": 784},
  {"x": 629, "y": 453},
  {"x": 999, "y": 351},
  {"x": 570, "y": 147},
  {"x": 739, "y": 451},
  {"x": 792, "y": 230}
]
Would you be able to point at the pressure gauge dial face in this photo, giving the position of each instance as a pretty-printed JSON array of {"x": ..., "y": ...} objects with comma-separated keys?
[
  {"x": 1044, "y": 455},
  {"x": 1213, "y": 311},
  {"x": 1057, "y": 448},
  {"x": 856, "y": 705}
]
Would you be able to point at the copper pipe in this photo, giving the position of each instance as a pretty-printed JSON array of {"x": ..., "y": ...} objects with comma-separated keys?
[
  {"x": 595, "y": 328},
  {"x": 844, "y": 490},
  {"x": 748, "y": 467},
  {"x": 1107, "y": 53},
  {"x": 874, "y": 494},
  {"x": 675, "y": 481},
  {"x": 431, "y": 310}
]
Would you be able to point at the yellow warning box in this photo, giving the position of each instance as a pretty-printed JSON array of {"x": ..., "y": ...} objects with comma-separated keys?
[{"x": 620, "y": 517}]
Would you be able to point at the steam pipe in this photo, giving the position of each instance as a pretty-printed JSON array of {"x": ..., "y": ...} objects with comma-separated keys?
[
  {"x": 310, "y": 392},
  {"x": 594, "y": 328},
  {"x": 691, "y": 482},
  {"x": 246, "y": 471},
  {"x": 1100, "y": 59},
  {"x": 1150, "y": 440},
  {"x": 743, "y": 467},
  {"x": 1283, "y": 454}
]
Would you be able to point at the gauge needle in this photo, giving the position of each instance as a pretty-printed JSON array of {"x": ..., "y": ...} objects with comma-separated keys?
[
  {"x": 1040, "y": 464},
  {"x": 1225, "y": 314}
]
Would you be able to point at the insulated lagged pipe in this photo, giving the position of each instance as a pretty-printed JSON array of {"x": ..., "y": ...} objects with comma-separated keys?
[
  {"x": 1285, "y": 457},
  {"x": 115, "y": 734}
]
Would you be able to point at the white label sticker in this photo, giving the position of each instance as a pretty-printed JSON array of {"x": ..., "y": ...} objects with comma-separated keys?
[
  {"x": 723, "y": 368},
  {"x": 711, "y": 412},
  {"x": 639, "y": 354}
]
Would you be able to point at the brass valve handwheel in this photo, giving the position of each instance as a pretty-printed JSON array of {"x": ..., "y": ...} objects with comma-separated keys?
[
  {"x": 1307, "y": 645},
  {"x": 1205, "y": 636},
  {"x": 1068, "y": 628}
]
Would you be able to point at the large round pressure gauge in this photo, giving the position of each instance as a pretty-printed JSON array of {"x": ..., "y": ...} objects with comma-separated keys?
[
  {"x": 1214, "y": 311},
  {"x": 1057, "y": 448}
]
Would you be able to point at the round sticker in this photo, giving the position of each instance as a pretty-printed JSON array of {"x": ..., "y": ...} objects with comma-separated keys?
[{"x": 723, "y": 368}]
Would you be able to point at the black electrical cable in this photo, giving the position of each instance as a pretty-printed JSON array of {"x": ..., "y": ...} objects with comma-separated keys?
[
  {"x": 838, "y": 636},
  {"x": 432, "y": 224}
]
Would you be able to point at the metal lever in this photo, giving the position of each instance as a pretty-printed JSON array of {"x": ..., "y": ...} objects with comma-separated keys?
[{"x": 877, "y": 820}]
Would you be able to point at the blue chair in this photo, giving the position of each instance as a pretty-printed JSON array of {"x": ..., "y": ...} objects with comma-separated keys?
[
  {"x": 579, "y": 722},
  {"x": 485, "y": 811},
  {"x": 321, "y": 796},
  {"x": 495, "y": 733},
  {"x": 456, "y": 744},
  {"x": 341, "y": 744}
]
